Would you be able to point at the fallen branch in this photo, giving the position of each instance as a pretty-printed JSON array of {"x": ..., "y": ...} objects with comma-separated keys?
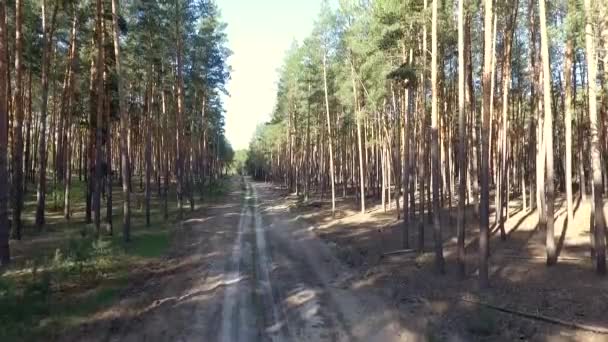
[
  {"x": 534, "y": 257},
  {"x": 539, "y": 317},
  {"x": 399, "y": 251}
]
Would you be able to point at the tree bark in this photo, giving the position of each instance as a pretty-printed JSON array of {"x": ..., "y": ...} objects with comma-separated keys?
[
  {"x": 5, "y": 255},
  {"x": 569, "y": 107},
  {"x": 329, "y": 137},
  {"x": 42, "y": 155},
  {"x": 439, "y": 262},
  {"x": 462, "y": 164},
  {"x": 360, "y": 143},
  {"x": 180, "y": 109},
  {"x": 484, "y": 207},
  {"x": 548, "y": 136},
  {"x": 17, "y": 151},
  {"x": 598, "y": 219},
  {"x": 124, "y": 147},
  {"x": 99, "y": 111},
  {"x": 70, "y": 97}
]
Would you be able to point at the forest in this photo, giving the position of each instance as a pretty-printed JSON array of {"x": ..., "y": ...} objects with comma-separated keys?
[
  {"x": 431, "y": 169},
  {"x": 444, "y": 107},
  {"x": 111, "y": 117},
  {"x": 75, "y": 109}
]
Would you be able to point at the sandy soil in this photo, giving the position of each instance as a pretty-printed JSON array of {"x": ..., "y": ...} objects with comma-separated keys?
[
  {"x": 569, "y": 291},
  {"x": 248, "y": 270}
]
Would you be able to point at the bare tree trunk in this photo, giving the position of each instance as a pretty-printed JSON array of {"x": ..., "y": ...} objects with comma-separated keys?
[
  {"x": 99, "y": 110},
  {"x": 180, "y": 109},
  {"x": 308, "y": 155},
  {"x": 17, "y": 151},
  {"x": 148, "y": 152},
  {"x": 439, "y": 262},
  {"x": 329, "y": 137},
  {"x": 124, "y": 148},
  {"x": 28, "y": 137},
  {"x": 166, "y": 148},
  {"x": 548, "y": 136},
  {"x": 462, "y": 164},
  {"x": 484, "y": 207},
  {"x": 503, "y": 190},
  {"x": 360, "y": 143},
  {"x": 5, "y": 255},
  {"x": 46, "y": 57},
  {"x": 599, "y": 219},
  {"x": 108, "y": 171},
  {"x": 407, "y": 132},
  {"x": 70, "y": 100},
  {"x": 569, "y": 107},
  {"x": 469, "y": 99}
]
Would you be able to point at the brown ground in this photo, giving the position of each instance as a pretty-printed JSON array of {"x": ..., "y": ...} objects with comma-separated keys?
[
  {"x": 520, "y": 280},
  {"x": 261, "y": 266},
  {"x": 247, "y": 271}
]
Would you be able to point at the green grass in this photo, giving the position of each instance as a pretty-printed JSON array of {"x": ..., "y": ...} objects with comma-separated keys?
[
  {"x": 150, "y": 244},
  {"x": 65, "y": 275}
]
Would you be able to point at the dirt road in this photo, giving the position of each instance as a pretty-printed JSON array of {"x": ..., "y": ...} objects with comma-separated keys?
[{"x": 250, "y": 271}]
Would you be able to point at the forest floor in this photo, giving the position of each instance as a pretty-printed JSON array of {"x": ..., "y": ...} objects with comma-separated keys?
[
  {"x": 61, "y": 276},
  {"x": 245, "y": 270},
  {"x": 453, "y": 309},
  {"x": 254, "y": 263}
]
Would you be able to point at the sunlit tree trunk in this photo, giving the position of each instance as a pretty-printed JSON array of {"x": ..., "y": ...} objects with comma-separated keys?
[
  {"x": 360, "y": 144},
  {"x": 569, "y": 106},
  {"x": 439, "y": 262},
  {"x": 599, "y": 219},
  {"x": 503, "y": 190},
  {"x": 47, "y": 41},
  {"x": 462, "y": 163},
  {"x": 70, "y": 100},
  {"x": 329, "y": 137},
  {"x": 124, "y": 148},
  {"x": 484, "y": 206},
  {"x": 548, "y": 136}
]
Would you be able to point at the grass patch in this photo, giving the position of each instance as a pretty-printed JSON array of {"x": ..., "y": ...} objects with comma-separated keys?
[{"x": 152, "y": 244}]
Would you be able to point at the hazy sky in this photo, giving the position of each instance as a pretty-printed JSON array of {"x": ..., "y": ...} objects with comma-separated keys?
[{"x": 259, "y": 34}]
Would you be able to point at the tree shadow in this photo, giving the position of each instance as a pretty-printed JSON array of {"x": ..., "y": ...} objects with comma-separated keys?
[{"x": 562, "y": 238}]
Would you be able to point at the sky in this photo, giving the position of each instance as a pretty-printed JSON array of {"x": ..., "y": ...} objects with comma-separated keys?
[{"x": 259, "y": 34}]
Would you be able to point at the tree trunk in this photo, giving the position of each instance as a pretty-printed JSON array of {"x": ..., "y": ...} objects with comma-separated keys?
[
  {"x": 439, "y": 262},
  {"x": 180, "y": 109},
  {"x": 5, "y": 255},
  {"x": 360, "y": 143},
  {"x": 503, "y": 190},
  {"x": 462, "y": 164},
  {"x": 569, "y": 107},
  {"x": 599, "y": 219},
  {"x": 484, "y": 206},
  {"x": 548, "y": 136},
  {"x": 148, "y": 151},
  {"x": 99, "y": 111},
  {"x": 47, "y": 41},
  {"x": 17, "y": 151},
  {"x": 70, "y": 97},
  {"x": 329, "y": 138},
  {"x": 124, "y": 147}
]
